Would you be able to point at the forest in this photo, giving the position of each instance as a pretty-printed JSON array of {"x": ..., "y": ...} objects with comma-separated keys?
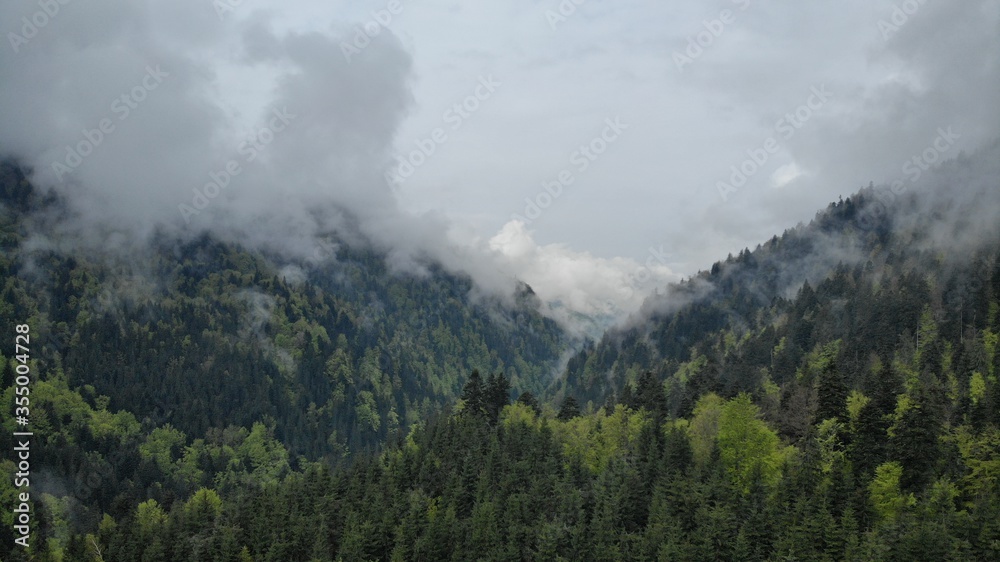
[{"x": 832, "y": 394}]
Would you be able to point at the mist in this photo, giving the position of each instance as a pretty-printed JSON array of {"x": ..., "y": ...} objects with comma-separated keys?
[
  {"x": 182, "y": 120},
  {"x": 280, "y": 129}
]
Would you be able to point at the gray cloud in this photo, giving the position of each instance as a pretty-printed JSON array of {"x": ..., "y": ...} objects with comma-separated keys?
[{"x": 324, "y": 170}]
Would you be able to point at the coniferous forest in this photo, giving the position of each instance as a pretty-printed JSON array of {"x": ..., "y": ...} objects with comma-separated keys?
[{"x": 832, "y": 394}]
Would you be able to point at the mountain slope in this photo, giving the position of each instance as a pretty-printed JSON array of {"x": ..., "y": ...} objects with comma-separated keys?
[
  {"x": 832, "y": 395},
  {"x": 866, "y": 271},
  {"x": 852, "y": 415},
  {"x": 336, "y": 353}
]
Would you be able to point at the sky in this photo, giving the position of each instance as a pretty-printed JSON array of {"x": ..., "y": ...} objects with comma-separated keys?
[{"x": 594, "y": 149}]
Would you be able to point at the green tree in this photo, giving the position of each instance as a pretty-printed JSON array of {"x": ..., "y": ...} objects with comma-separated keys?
[
  {"x": 529, "y": 400},
  {"x": 886, "y": 495},
  {"x": 832, "y": 388},
  {"x": 496, "y": 394},
  {"x": 568, "y": 409},
  {"x": 748, "y": 448},
  {"x": 474, "y": 395}
]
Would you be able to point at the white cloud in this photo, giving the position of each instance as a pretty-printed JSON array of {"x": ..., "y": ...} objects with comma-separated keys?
[
  {"x": 654, "y": 189},
  {"x": 578, "y": 281},
  {"x": 785, "y": 175}
]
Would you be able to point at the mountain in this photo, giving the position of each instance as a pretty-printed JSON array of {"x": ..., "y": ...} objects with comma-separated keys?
[
  {"x": 832, "y": 394},
  {"x": 198, "y": 340},
  {"x": 336, "y": 354},
  {"x": 870, "y": 271}
]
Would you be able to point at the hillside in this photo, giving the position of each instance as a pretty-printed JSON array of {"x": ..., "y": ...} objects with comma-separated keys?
[
  {"x": 871, "y": 271},
  {"x": 855, "y": 419},
  {"x": 204, "y": 342},
  {"x": 831, "y": 395}
]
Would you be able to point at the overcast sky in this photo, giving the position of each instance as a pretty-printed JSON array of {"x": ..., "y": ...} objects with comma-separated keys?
[{"x": 441, "y": 127}]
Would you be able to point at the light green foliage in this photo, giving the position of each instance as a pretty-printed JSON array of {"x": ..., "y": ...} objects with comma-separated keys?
[
  {"x": 990, "y": 342},
  {"x": 621, "y": 429},
  {"x": 160, "y": 445},
  {"x": 981, "y": 455},
  {"x": 948, "y": 372},
  {"x": 367, "y": 411},
  {"x": 909, "y": 372},
  {"x": 704, "y": 427},
  {"x": 339, "y": 372},
  {"x": 392, "y": 421},
  {"x": 886, "y": 497},
  {"x": 927, "y": 334},
  {"x": 903, "y": 404},
  {"x": 518, "y": 414},
  {"x": 771, "y": 390},
  {"x": 8, "y": 493},
  {"x": 856, "y": 400},
  {"x": 819, "y": 359},
  {"x": 69, "y": 406},
  {"x": 263, "y": 455},
  {"x": 729, "y": 342},
  {"x": 780, "y": 347},
  {"x": 831, "y": 447},
  {"x": 149, "y": 517},
  {"x": 593, "y": 440},
  {"x": 689, "y": 369},
  {"x": 371, "y": 374},
  {"x": 748, "y": 448},
  {"x": 977, "y": 387},
  {"x": 204, "y": 505},
  {"x": 187, "y": 470},
  {"x": 942, "y": 496},
  {"x": 59, "y": 513}
]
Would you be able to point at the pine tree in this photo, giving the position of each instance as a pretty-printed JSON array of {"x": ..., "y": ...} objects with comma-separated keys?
[
  {"x": 650, "y": 395},
  {"x": 497, "y": 395},
  {"x": 474, "y": 394},
  {"x": 569, "y": 409},
  {"x": 529, "y": 400},
  {"x": 832, "y": 391}
]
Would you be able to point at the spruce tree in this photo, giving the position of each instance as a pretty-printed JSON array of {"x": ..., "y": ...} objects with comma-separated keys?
[
  {"x": 569, "y": 409},
  {"x": 474, "y": 394}
]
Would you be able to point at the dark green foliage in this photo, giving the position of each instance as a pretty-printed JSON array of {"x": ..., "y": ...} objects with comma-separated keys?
[
  {"x": 474, "y": 395},
  {"x": 854, "y": 416},
  {"x": 497, "y": 395},
  {"x": 529, "y": 400},
  {"x": 832, "y": 388},
  {"x": 340, "y": 353},
  {"x": 649, "y": 395},
  {"x": 569, "y": 409}
]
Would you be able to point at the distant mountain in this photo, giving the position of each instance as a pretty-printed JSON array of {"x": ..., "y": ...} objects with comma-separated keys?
[
  {"x": 870, "y": 272},
  {"x": 336, "y": 352},
  {"x": 833, "y": 394}
]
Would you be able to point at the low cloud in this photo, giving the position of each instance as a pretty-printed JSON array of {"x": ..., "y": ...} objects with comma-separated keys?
[{"x": 576, "y": 282}]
